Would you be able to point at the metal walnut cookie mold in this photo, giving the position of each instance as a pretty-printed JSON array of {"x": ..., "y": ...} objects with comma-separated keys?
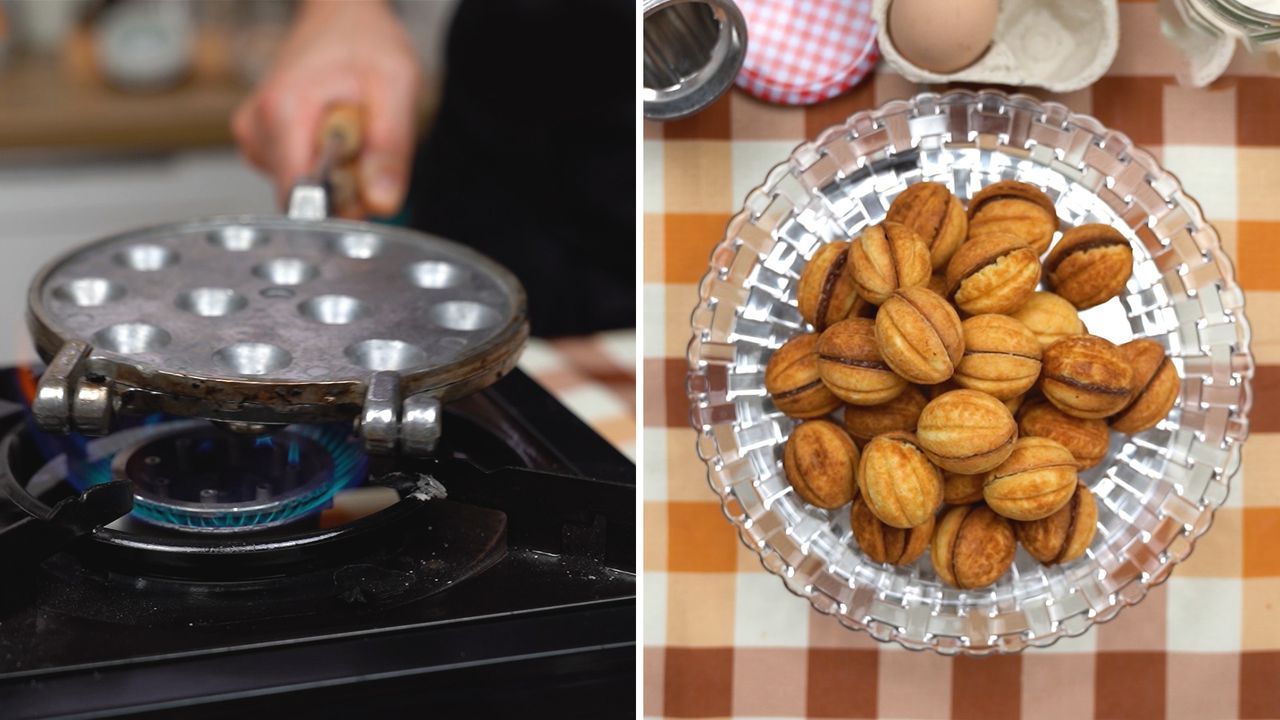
[{"x": 1156, "y": 491}]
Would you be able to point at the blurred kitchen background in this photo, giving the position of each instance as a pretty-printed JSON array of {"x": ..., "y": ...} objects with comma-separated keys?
[{"x": 115, "y": 114}]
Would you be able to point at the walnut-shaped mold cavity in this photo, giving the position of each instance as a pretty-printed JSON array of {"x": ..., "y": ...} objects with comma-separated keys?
[
  {"x": 286, "y": 271},
  {"x": 358, "y": 245},
  {"x": 238, "y": 238},
  {"x": 146, "y": 257},
  {"x": 211, "y": 301},
  {"x": 252, "y": 358},
  {"x": 333, "y": 309},
  {"x": 131, "y": 338},
  {"x": 436, "y": 274},
  {"x": 89, "y": 292},
  {"x": 385, "y": 354}
]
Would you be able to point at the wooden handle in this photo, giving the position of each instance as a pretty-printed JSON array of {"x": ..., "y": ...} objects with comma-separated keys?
[{"x": 345, "y": 122}]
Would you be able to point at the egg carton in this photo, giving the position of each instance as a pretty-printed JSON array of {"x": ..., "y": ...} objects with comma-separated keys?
[{"x": 1059, "y": 45}]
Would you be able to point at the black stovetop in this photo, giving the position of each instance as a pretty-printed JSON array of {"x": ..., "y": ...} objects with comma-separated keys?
[{"x": 516, "y": 593}]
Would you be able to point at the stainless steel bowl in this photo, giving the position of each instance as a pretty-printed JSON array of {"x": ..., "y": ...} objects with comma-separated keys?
[
  {"x": 1156, "y": 490},
  {"x": 693, "y": 50}
]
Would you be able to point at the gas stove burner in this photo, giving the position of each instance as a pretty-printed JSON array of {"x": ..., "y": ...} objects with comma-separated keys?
[
  {"x": 190, "y": 475},
  {"x": 525, "y": 570},
  {"x": 206, "y": 479}
]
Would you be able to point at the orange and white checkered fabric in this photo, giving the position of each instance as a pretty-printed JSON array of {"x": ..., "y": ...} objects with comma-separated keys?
[
  {"x": 595, "y": 377},
  {"x": 722, "y": 637}
]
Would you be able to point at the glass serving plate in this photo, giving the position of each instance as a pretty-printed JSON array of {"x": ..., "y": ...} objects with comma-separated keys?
[{"x": 1156, "y": 490}]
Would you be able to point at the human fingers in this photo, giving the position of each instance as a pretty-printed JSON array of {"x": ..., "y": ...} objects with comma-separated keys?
[
  {"x": 290, "y": 118},
  {"x": 245, "y": 130},
  {"x": 389, "y": 140}
]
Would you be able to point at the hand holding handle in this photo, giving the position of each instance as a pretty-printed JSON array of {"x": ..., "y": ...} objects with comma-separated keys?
[
  {"x": 332, "y": 188},
  {"x": 343, "y": 124}
]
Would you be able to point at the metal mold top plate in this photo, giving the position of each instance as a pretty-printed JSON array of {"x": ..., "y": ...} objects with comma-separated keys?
[
  {"x": 1156, "y": 490},
  {"x": 267, "y": 301}
]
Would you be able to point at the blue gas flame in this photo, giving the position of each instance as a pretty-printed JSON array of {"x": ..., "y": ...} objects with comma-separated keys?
[{"x": 349, "y": 463}]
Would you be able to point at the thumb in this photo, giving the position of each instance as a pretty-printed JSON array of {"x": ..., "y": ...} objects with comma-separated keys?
[
  {"x": 384, "y": 179},
  {"x": 388, "y": 150}
]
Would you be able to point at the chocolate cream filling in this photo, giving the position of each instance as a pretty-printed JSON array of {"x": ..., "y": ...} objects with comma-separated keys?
[
  {"x": 829, "y": 289},
  {"x": 1089, "y": 387},
  {"x": 955, "y": 540},
  {"x": 973, "y": 211},
  {"x": 968, "y": 353},
  {"x": 1053, "y": 263},
  {"x": 793, "y": 392},
  {"x": 1143, "y": 390},
  {"x": 854, "y": 362}
]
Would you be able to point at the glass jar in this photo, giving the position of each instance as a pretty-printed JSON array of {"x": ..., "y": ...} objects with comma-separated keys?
[{"x": 1206, "y": 33}]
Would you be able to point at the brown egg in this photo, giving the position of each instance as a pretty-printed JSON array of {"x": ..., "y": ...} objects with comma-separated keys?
[{"x": 942, "y": 36}]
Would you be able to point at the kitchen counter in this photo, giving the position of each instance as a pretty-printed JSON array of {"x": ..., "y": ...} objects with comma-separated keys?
[{"x": 45, "y": 105}]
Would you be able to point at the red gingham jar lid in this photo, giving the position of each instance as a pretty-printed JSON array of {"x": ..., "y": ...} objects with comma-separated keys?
[{"x": 799, "y": 53}]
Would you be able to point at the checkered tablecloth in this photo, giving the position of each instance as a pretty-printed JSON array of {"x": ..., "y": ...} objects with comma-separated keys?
[
  {"x": 595, "y": 377},
  {"x": 722, "y": 637}
]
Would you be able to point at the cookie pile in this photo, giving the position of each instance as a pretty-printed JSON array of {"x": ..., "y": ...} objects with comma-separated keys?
[{"x": 970, "y": 400}]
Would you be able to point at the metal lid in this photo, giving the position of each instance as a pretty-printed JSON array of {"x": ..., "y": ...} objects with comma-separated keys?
[
  {"x": 265, "y": 320},
  {"x": 803, "y": 53},
  {"x": 692, "y": 50}
]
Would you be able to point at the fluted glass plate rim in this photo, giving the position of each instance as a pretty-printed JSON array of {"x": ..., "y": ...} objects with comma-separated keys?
[{"x": 817, "y": 163}]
